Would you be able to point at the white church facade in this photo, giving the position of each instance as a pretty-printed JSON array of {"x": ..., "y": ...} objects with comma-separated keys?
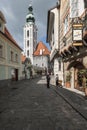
[{"x": 30, "y": 34}]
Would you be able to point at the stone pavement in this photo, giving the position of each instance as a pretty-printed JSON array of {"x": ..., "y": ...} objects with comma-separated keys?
[
  {"x": 30, "y": 105},
  {"x": 74, "y": 97}
]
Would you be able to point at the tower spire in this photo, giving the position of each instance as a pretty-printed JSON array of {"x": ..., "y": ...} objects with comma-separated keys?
[{"x": 30, "y": 16}]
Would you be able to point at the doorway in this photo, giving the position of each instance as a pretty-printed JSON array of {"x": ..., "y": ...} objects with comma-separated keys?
[{"x": 16, "y": 74}]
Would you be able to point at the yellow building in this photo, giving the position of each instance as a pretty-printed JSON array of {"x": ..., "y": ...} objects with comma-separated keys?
[{"x": 10, "y": 54}]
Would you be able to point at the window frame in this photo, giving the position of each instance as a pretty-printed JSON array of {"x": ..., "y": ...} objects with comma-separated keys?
[
  {"x": 16, "y": 57},
  {"x": 27, "y": 33},
  {"x": 12, "y": 55},
  {"x": 27, "y": 43},
  {"x": 27, "y": 52},
  {"x": 59, "y": 65}
]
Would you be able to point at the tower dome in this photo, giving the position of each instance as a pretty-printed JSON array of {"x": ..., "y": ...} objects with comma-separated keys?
[{"x": 30, "y": 15}]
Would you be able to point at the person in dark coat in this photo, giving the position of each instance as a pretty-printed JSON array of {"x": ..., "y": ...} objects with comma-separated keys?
[
  {"x": 57, "y": 80},
  {"x": 48, "y": 80}
]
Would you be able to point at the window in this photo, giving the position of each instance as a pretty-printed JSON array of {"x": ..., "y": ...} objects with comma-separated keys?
[
  {"x": 74, "y": 8},
  {"x": 1, "y": 50},
  {"x": 66, "y": 24},
  {"x": 28, "y": 43},
  {"x": 16, "y": 58},
  {"x": 28, "y": 53},
  {"x": 85, "y": 3},
  {"x": 40, "y": 51},
  {"x": 28, "y": 33},
  {"x": 59, "y": 65},
  {"x": 11, "y": 55}
]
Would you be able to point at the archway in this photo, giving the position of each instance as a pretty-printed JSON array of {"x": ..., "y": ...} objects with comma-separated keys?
[
  {"x": 76, "y": 64},
  {"x": 77, "y": 67}
]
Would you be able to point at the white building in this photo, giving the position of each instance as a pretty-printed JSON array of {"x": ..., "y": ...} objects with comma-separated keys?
[
  {"x": 53, "y": 38},
  {"x": 41, "y": 56},
  {"x": 30, "y": 34}
]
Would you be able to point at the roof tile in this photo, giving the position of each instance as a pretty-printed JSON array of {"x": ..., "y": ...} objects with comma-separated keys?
[{"x": 41, "y": 46}]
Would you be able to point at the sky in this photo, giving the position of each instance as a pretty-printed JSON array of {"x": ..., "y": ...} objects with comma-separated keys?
[{"x": 15, "y": 12}]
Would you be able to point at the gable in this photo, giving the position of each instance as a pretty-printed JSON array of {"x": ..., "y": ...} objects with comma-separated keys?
[{"x": 41, "y": 49}]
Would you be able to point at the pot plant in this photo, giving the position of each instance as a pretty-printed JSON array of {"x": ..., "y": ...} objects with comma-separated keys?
[
  {"x": 85, "y": 85},
  {"x": 86, "y": 88},
  {"x": 85, "y": 82},
  {"x": 68, "y": 78}
]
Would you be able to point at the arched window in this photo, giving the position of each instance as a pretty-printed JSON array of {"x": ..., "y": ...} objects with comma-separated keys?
[
  {"x": 16, "y": 57},
  {"x": 28, "y": 43},
  {"x": 28, "y": 53},
  {"x": 59, "y": 65},
  {"x": 28, "y": 33},
  {"x": 11, "y": 55}
]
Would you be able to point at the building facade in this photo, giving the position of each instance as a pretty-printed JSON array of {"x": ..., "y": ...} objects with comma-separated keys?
[
  {"x": 30, "y": 34},
  {"x": 10, "y": 54},
  {"x": 41, "y": 56},
  {"x": 73, "y": 40},
  {"x": 53, "y": 38},
  {"x": 26, "y": 67}
]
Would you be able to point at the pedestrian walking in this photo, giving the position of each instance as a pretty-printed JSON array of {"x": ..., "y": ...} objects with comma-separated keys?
[
  {"x": 57, "y": 80},
  {"x": 48, "y": 80}
]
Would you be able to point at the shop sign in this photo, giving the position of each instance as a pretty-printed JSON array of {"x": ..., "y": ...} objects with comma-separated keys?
[{"x": 77, "y": 34}]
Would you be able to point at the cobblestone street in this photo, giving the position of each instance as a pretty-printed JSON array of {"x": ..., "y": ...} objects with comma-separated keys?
[{"x": 30, "y": 105}]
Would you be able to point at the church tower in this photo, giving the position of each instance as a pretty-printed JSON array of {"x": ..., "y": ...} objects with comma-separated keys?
[{"x": 30, "y": 34}]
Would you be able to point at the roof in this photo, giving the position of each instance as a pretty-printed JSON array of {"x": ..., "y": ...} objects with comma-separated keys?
[
  {"x": 23, "y": 57},
  {"x": 2, "y": 17},
  {"x": 6, "y": 33},
  {"x": 41, "y": 46},
  {"x": 9, "y": 36}
]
